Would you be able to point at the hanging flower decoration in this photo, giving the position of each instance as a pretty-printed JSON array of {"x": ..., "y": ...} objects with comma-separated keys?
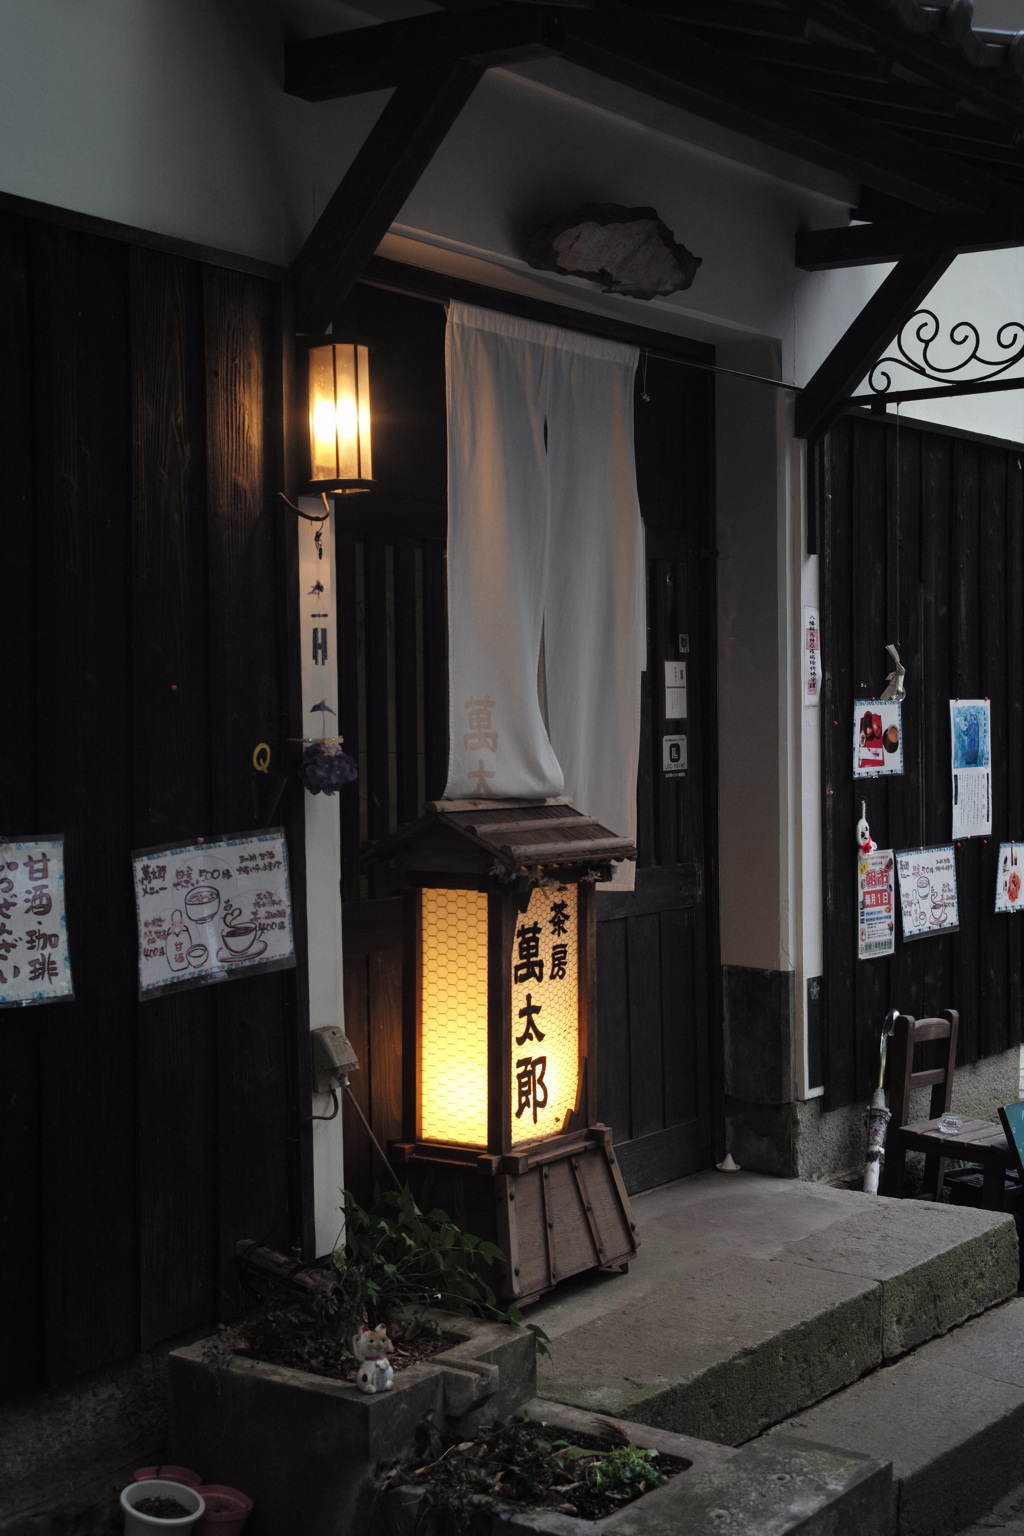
[{"x": 325, "y": 764}]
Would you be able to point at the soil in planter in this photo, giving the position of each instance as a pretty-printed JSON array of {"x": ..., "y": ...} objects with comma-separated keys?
[
  {"x": 161, "y": 1508},
  {"x": 528, "y": 1465},
  {"x": 291, "y": 1333}
]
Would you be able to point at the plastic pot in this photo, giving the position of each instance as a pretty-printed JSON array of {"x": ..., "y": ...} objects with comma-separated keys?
[
  {"x": 137, "y": 1523},
  {"x": 227, "y": 1510},
  {"x": 169, "y": 1474}
]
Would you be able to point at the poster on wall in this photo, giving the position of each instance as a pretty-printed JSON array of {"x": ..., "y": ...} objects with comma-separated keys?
[
  {"x": 1009, "y": 875},
  {"x": 971, "y": 752},
  {"x": 876, "y": 904},
  {"x": 812, "y": 656},
  {"x": 928, "y": 901},
  {"x": 208, "y": 911},
  {"x": 877, "y": 738},
  {"x": 34, "y": 962}
]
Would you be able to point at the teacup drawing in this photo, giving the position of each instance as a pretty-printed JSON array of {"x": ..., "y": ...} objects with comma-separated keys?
[
  {"x": 240, "y": 938},
  {"x": 197, "y": 956},
  {"x": 202, "y": 904}
]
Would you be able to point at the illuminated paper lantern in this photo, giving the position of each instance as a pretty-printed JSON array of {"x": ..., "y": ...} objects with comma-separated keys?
[
  {"x": 499, "y": 1079},
  {"x": 339, "y": 417}
]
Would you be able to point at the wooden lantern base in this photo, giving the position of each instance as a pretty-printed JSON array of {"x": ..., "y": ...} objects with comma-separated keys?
[{"x": 555, "y": 1209}]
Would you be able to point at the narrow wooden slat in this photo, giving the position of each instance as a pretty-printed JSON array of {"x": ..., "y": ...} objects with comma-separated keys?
[
  {"x": 246, "y": 559},
  {"x": 405, "y": 684},
  {"x": 170, "y": 705},
  {"x": 22, "y": 1209},
  {"x": 83, "y": 640},
  {"x": 646, "y": 1066}
]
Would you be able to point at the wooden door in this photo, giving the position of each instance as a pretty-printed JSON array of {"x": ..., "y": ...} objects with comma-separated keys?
[{"x": 657, "y": 966}]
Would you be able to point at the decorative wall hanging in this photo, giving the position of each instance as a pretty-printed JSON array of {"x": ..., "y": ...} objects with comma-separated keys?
[
  {"x": 928, "y": 898},
  {"x": 1009, "y": 877},
  {"x": 209, "y": 911},
  {"x": 894, "y": 682},
  {"x": 624, "y": 250},
  {"x": 325, "y": 765},
  {"x": 877, "y": 738},
  {"x": 34, "y": 962},
  {"x": 971, "y": 754},
  {"x": 921, "y": 353}
]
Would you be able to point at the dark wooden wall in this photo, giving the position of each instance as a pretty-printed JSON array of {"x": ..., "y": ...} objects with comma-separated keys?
[
  {"x": 145, "y": 581},
  {"x": 924, "y": 548}
]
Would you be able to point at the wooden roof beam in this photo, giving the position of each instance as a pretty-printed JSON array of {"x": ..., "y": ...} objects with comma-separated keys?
[
  {"x": 927, "y": 56},
  {"x": 368, "y": 199},
  {"x": 648, "y": 56},
  {"x": 823, "y": 398},
  {"x": 378, "y": 57},
  {"x": 861, "y": 245}
]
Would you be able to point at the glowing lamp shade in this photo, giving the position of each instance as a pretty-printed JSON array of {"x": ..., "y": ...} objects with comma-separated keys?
[
  {"x": 545, "y": 1046},
  {"x": 453, "y": 1012},
  {"x": 339, "y": 417}
]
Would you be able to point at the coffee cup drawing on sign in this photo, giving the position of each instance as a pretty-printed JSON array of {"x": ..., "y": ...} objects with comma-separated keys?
[{"x": 240, "y": 937}]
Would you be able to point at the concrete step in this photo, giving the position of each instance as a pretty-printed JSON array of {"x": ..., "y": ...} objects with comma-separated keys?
[
  {"x": 752, "y": 1298},
  {"x": 949, "y": 1416}
]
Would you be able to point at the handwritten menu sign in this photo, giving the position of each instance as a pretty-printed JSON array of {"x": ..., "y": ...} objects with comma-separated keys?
[
  {"x": 210, "y": 911},
  {"x": 34, "y": 963},
  {"x": 928, "y": 897}
]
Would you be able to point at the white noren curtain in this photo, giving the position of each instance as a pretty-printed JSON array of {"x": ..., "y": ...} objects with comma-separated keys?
[{"x": 545, "y": 567}]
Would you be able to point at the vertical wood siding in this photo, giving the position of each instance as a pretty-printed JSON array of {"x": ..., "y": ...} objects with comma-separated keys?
[
  {"x": 923, "y": 548},
  {"x": 146, "y": 570}
]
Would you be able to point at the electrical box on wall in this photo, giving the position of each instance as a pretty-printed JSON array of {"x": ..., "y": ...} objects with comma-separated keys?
[{"x": 333, "y": 1058}]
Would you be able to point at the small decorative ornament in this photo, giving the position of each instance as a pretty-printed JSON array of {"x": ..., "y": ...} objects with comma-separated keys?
[
  {"x": 865, "y": 842},
  {"x": 325, "y": 765},
  {"x": 371, "y": 1346},
  {"x": 894, "y": 682}
]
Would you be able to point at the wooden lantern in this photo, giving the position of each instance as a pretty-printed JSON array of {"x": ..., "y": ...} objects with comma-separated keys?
[{"x": 499, "y": 1080}]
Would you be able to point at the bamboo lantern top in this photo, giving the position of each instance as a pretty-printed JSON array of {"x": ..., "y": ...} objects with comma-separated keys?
[{"x": 510, "y": 842}]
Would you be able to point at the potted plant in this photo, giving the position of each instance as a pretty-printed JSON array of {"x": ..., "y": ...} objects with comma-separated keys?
[
  {"x": 157, "y": 1504},
  {"x": 227, "y": 1510},
  {"x": 274, "y": 1403}
]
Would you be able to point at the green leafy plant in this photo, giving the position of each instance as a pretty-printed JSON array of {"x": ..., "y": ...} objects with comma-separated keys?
[
  {"x": 396, "y": 1261},
  {"x": 462, "y": 1485},
  {"x": 625, "y": 1472}
]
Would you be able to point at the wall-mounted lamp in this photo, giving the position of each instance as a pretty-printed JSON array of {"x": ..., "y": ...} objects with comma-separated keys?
[{"x": 339, "y": 418}]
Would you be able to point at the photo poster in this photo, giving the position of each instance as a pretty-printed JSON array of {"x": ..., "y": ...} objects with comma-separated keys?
[
  {"x": 877, "y": 738},
  {"x": 1009, "y": 878},
  {"x": 928, "y": 901},
  {"x": 34, "y": 963},
  {"x": 876, "y": 904},
  {"x": 971, "y": 753},
  {"x": 208, "y": 911}
]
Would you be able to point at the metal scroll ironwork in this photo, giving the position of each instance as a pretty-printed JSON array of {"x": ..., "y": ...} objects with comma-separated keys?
[{"x": 957, "y": 361}]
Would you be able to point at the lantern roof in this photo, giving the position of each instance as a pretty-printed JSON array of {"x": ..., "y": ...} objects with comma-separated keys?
[{"x": 508, "y": 840}]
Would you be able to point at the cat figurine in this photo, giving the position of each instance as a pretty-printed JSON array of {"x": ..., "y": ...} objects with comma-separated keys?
[{"x": 371, "y": 1347}]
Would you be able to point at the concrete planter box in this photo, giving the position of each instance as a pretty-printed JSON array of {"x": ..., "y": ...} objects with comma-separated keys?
[
  {"x": 777, "y": 1488},
  {"x": 306, "y": 1448}
]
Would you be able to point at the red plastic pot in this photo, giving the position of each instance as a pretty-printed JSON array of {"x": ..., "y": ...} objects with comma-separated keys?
[
  {"x": 227, "y": 1510},
  {"x": 173, "y": 1474}
]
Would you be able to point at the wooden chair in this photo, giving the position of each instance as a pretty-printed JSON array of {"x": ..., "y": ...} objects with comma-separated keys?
[{"x": 977, "y": 1141}]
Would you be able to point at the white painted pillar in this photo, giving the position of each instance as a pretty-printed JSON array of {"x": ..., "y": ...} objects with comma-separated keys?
[{"x": 318, "y": 630}]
